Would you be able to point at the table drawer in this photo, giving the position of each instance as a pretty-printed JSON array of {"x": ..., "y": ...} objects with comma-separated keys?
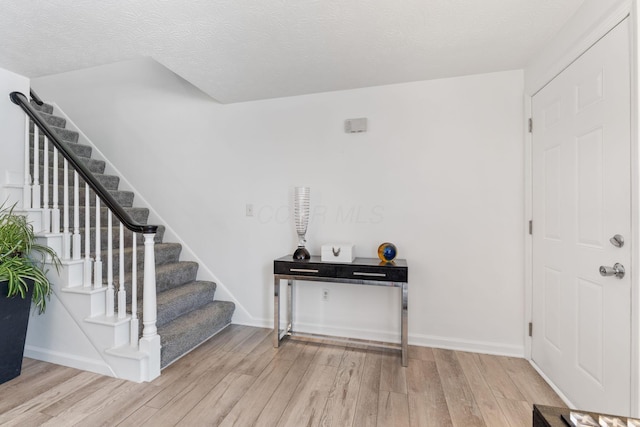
[
  {"x": 382, "y": 274},
  {"x": 304, "y": 269}
]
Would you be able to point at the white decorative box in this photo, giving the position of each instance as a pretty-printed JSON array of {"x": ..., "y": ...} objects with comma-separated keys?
[{"x": 338, "y": 252}]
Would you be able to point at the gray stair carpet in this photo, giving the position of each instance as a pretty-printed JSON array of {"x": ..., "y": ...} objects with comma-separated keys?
[{"x": 187, "y": 312}]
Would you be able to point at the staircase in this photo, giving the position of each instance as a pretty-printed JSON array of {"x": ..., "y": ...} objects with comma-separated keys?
[{"x": 187, "y": 314}]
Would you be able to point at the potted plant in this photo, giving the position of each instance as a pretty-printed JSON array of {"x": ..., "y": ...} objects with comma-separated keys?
[{"x": 22, "y": 280}]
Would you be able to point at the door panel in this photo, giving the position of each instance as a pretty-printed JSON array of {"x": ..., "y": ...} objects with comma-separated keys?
[{"x": 581, "y": 198}]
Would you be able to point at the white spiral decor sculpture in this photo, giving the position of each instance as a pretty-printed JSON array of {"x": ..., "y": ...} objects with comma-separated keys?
[{"x": 301, "y": 203}]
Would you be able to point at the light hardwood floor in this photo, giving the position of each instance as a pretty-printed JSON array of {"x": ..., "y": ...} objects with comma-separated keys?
[{"x": 238, "y": 379}]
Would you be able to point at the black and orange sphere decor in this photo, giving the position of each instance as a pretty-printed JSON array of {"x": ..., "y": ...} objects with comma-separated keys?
[{"x": 387, "y": 252}]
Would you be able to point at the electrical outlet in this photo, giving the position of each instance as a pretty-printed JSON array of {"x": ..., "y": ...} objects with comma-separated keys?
[
  {"x": 249, "y": 211},
  {"x": 325, "y": 295}
]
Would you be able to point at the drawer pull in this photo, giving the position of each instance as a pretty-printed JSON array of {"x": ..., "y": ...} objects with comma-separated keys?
[
  {"x": 358, "y": 273},
  {"x": 303, "y": 270}
]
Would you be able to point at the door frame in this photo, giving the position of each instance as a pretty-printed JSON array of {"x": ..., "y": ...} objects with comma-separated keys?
[{"x": 630, "y": 10}]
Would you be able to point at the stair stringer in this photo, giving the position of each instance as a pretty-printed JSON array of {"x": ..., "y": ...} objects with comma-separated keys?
[
  {"x": 241, "y": 314},
  {"x": 75, "y": 332}
]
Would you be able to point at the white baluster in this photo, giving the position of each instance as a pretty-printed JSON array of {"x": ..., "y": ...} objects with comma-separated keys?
[
  {"x": 36, "y": 169},
  {"x": 134, "y": 293},
  {"x": 87, "y": 238},
  {"x": 26, "y": 191},
  {"x": 77, "y": 240},
  {"x": 122, "y": 293},
  {"x": 110, "y": 292},
  {"x": 46, "y": 212},
  {"x": 55, "y": 211},
  {"x": 66, "y": 236},
  {"x": 97, "y": 267},
  {"x": 149, "y": 308}
]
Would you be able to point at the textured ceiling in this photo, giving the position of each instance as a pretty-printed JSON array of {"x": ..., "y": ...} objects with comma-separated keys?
[{"x": 238, "y": 50}]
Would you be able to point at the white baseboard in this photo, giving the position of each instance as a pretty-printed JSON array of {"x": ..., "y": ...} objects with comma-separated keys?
[
  {"x": 472, "y": 346},
  {"x": 499, "y": 349},
  {"x": 67, "y": 359}
]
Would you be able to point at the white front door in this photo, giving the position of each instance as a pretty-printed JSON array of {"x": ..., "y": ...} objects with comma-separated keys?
[{"x": 582, "y": 198}]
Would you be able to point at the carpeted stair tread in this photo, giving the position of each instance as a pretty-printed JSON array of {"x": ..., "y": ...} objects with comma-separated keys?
[
  {"x": 168, "y": 276},
  {"x": 190, "y": 330},
  {"x": 96, "y": 166},
  {"x": 128, "y": 239},
  {"x": 51, "y": 120},
  {"x": 82, "y": 150},
  {"x": 175, "y": 274},
  {"x": 140, "y": 215},
  {"x": 77, "y": 149},
  {"x": 110, "y": 182},
  {"x": 181, "y": 300},
  {"x": 66, "y": 134},
  {"x": 123, "y": 198},
  {"x": 45, "y": 108},
  {"x": 63, "y": 135},
  {"x": 165, "y": 253}
]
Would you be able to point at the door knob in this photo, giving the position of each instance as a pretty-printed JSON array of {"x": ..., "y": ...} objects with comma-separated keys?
[
  {"x": 617, "y": 241},
  {"x": 617, "y": 270}
]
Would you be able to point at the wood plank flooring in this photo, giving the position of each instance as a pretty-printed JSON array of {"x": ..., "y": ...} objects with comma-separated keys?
[{"x": 238, "y": 379}]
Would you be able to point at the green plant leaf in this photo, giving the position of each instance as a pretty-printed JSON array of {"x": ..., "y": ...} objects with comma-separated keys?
[{"x": 22, "y": 259}]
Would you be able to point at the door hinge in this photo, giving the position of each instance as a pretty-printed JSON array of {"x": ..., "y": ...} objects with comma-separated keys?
[
  {"x": 530, "y": 329},
  {"x": 530, "y": 125},
  {"x": 530, "y": 226}
]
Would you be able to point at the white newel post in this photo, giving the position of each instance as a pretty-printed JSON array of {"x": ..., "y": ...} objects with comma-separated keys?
[
  {"x": 26, "y": 191},
  {"x": 149, "y": 309},
  {"x": 150, "y": 341}
]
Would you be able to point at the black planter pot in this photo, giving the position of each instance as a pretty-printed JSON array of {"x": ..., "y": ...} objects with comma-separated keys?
[{"x": 14, "y": 318}]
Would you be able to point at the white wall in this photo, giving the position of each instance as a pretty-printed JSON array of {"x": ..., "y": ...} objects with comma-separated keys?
[
  {"x": 439, "y": 173},
  {"x": 12, "y": 124}
]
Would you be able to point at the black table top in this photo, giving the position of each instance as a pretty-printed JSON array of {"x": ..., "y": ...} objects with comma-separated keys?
[
  {"x": 367, "y": 262},
  {"x": 363, "y": 269}
]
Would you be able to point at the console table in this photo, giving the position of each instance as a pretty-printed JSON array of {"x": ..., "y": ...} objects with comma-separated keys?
[{"x": 362, "y": 271}]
